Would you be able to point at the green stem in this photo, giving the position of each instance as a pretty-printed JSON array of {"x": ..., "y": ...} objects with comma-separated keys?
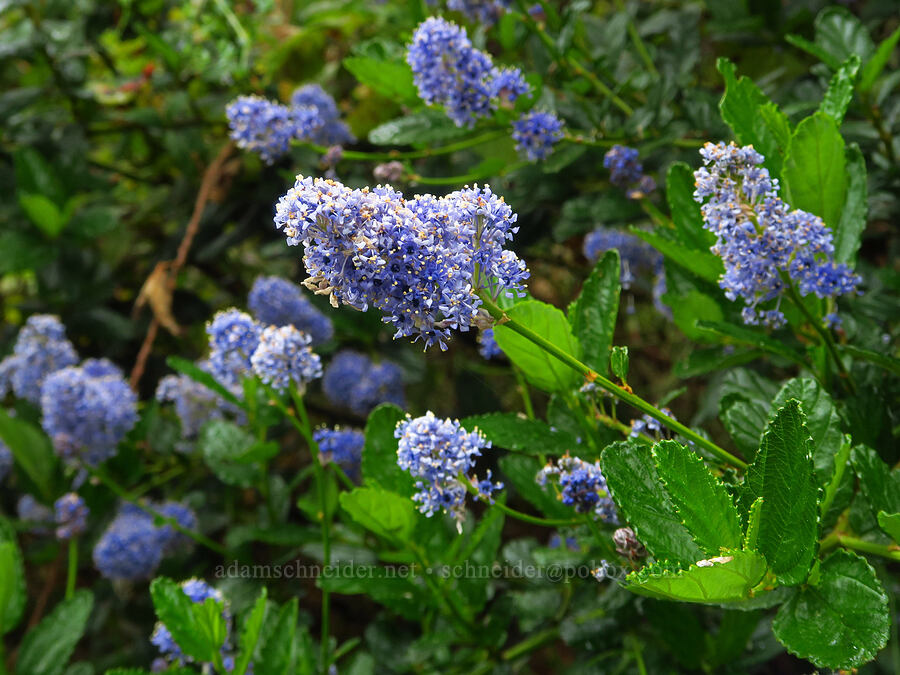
[
  {"x": 518, "y": 515},
  {"x": 413, "y": 154},
  {"x": 608, "y": 385},
  {"x": 638, "y": 42},
  {"x": 467, "y": 178},
  {"x": 530, "y": 643},
  {"x": 523, "y": 389},
  {"x": 890, "y": 551},
  {"x": 72, "y": 573}
]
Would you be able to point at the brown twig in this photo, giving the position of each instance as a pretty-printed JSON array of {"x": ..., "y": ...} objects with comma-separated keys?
[{"x": 207, "y": 185}]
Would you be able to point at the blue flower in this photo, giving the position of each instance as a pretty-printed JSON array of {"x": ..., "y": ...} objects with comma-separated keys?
[
  {"x": 41, "y": 349},
  {"x": 87, "y": 410},
  {"x": 233, "y": 337},
  {"x": 342, "y": 446},
  {"x": 439, "y": 454},
  {"x": 482, "y": 11},
  {"x": 70, "y": 516},
  {"x": 172, "y": 540},
  {"x": 354, "y": 381},
  {"x": 626, "y": 172},
  {"x": 449, "y": 71},
  {"x": 195, "y": 403},
  {"x": 581, "y": 485},
  {"x": 274, "y": 301},
  {"x": 267, "y": 128},
  {"x": 327, "y": 127},
  {"x": 420, "y": 261},
  {"x": 535, "y": 134},
  {"x": 37, "y": 515},
  {"x": 284, "y": 357},
  {"x": 487, "y": 345},
  {"x": 762, "y": 243}
]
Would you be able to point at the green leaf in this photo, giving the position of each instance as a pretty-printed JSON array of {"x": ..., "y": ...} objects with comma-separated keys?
[
  {"x": 513, "y": 432},
  {"x": 700, "y": 263},
  {"x": 43, "y": 213},
  {"x": 848, "y": 233},
  {"x": 543, "y": 370},
  {"x": 12, "y": 579},
  {"x": 841, "y": 34},
  {"x": 520, "y": 472},
  {"x": 735, "y": 630},
  {"x": 840, "y": 90},
  {"x": 778, "y": 126},
  {"x": 283, "y": 534},
  {"x": 250, "y": 634},
  {"x": 32, "y": 451},
  {"x": 392, "y": 79},
  {"x": 645, "y": 504},
  {"x": 593, "y": 314},
  {"x": 744, "y": 419},
  {"x": 842, "y": 621},
  {"x": 821, "y": 419},
  {"x": 815, "y": 50},
  {"x": 751, "y": 534},
  {"x": 94, "y": 221},
  {"x": 876, "y": 64},
  {"x": 47, "y": 647},
  {"x": 890, "y": 523},
  {"x": 280, "y": 650},
  {"x": 379, "y": 456},
  {"x": 383, "y": 585},
  {"x": 223, "y": 444},
  {"x": 749, "y": 336},
  {"x": 877, "y": 482},
  {"x": 427, "y": 126},
  {"x": 782, "y": 474},
  {"x": 702, "y": 361},
  {"x": 691, "y": 309},
  {"x": 387, "y": 514},
  {"x": 195, "y": 373},
  {"x": 705, "y": 507},
  {"x": 24, "y": 251},
  {"x": 685, "y": 209},
  {"x": 618, "y": 362},
  {"x": 725, "y": 578},
  {"x": 36, "y": 176},
  {"x": 740, "y": 108},
  {"x": 189, "y": 628},
  {"x": 814, "y": 173}
]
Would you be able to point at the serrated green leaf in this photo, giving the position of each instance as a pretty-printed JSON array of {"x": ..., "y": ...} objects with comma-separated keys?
[
  {"x": 280, "y": 650},
  {"x": 877, "y": 482},
  {"x": 782, "y": 474},
  {"x": 840, "y": 90},
  {"x": 848, "y": 233},
  {"x": 842, "y": 621},
  {"x": 31, "y": 449},
  {"x": 12, "y": 579},
  {"x": 643, "y": 502},
  {"x": 821, "y": 419},
  {"x": 520, "y": 472},
  {"x": 223, "y": 444},
  {"x": 751, "y": 534},
  {"x": 385, "y": 513},
  {"x": 593, "y": 314},
  {"x": 876, "y": 64},
  {"x": 250, "y": 634},
  {"x": 47, "y": 647},
  {"x": 379, "y": 456},
  {"x": 393, "y": 79},
  {"x": 188, "y": 627},
  {"x": 841, "y": 34},
  {"x": 890, "y": 523},
  {"x": 427, "y": 126},
  {"x": 513, "y": 432},
  {"x": 705, "y": 507},
  {"x": 725, "y": 578},
  {"x": 744, "y": 419},
  {"x": 542, "y": 369}
]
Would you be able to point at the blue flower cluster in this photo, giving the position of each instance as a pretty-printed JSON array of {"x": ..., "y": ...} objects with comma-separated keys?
[
  {"x": 274, "y": 301},
  {"x": 449, "y": 71},
  {"x": 635, "y": 254},
  {"x": 41, "y": 349},
  {"x": 6, "y": 460},
  {"x": 421, "y": 261},
  {"x": 626, "y": 172},
  {"x": 233, "y": 337},
  {"x": 87, "y": 410},
  {"x": 284, "y": 357},
  {"x": 342, "y": 446},
  {"x": 763, "y": 244},
  {"x": 582, "y": 485},
  {"x": 535, "y": 134},
  {"x": 487, "y": 345},
  {"x": 352, "y": 380},
  {"x": 438, "y": 453},
  {"x": 132, "y": 547},
  {"x": 37, "y": 515},
  {"x": 198, "y": 591},
  {"x": 328, "y": 128},
  {"x": 482, "y": 11},
  {"x": 650, "y": 426},
  {"x": 195, "y": 403},
  {"x": 70, "y": 516}
]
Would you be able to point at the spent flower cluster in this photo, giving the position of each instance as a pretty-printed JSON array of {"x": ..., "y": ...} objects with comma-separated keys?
[
  {"x": 763, "y": 244},
  {"x": 581, "y": 485}
]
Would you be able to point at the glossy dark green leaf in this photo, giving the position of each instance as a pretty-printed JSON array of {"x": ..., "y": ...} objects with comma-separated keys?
[
  {"x": 854, "y": 217},
  {"x": 379, "y": 457},
  {"x": 890, "y": 523},
  {"x": 392, "y": 79},
  {"x": 250, "y": 634},
  {"x": 31, "y": 449},
  {"x": 618, "y": 362},
  {"x": 280, "y": 649},
  {"x": 877, "y": 482},
  {"x": 593, "y": 314},
  {"x": 782, "y": 474},
  {"x": 685, "y": 209},
  {"x": 385, "y": 513},
  {"x": 841, "y": 34},
  {"x": 427, "y": 126},
  {"x": 47, "y": 647},
  {"x": 744, "y": 419},
  {"x": 875, "y": 66},
  {"x": 700, "y": 263},
  {"x": 12, "y": 579},
  {"x": 518, "y": 433},
  {"x": 840, "y": 90},
  {"x": 186, "y": 620},
  {"x": 37, "y": 176},
  {"x": 842, "y": 621}
]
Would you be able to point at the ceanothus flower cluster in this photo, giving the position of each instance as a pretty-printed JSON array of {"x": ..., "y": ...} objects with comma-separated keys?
[
  {"x": 233, "y": 338},
  {"x": 342, "y": 447},
  {"x": 31, "y": 511},
  {"x": 274, "y": 301},
  {"x": 327, "y": 128},
  {"x": 627, "y": 172},
  {"x": 487, "y": 345},
  {"x": 195, "y": 403},
  {"x": 581, "y": 485},
  {"x": 763, "y": 244},
  {"x": 535, "y": 134},
  {"x": 265, "y": 127},
  {"x": 449, "y": 71},
  {"x": 41, "y": 349},
  {"x": 486, "y": 12},
  {"x": 87, "y": 410},
  {"x": 352, "y": 380},
  {"x": 635, "y": 255},
  {"x": 70, "y": 515},
  {"x": 421, "y": 261},
  {"x": 132, "y": 547},
  {"x": 440, "y": 454},
  {"x": 284, "y": 357}
]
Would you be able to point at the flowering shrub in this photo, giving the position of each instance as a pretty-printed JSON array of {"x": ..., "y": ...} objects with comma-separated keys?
[{"x": 573, "y": 347}]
